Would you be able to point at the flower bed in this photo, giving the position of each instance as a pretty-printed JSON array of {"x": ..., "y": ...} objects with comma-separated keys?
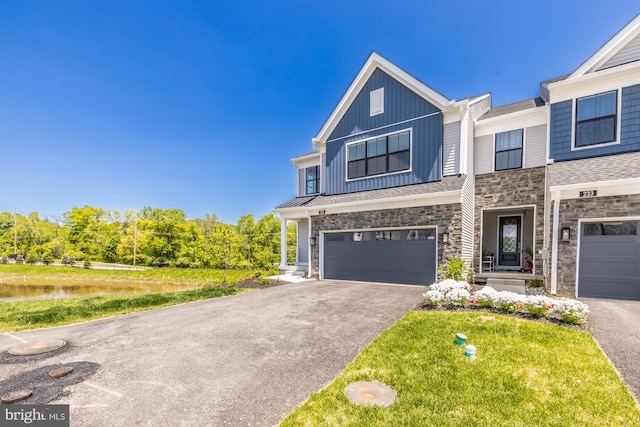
[{"x": 459, "y": 294}]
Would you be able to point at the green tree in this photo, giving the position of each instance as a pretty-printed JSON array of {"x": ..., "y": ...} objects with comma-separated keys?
[
  {"x": 266, "y": 243},
  {"x": 162, "y": 233},
  {"x": 224, "y": 246}
]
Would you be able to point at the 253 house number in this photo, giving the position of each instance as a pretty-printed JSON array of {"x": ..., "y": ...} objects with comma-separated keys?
[{"x": 589, "y": 193}]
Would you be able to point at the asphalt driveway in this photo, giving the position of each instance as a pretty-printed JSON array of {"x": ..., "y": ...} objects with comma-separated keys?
[
  {"x": 244, "y": 360},
  {"x": 615, "y": 324}
]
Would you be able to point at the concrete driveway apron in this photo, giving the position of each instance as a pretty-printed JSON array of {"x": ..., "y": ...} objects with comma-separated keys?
[
  {"x": 244, "y": 360},
  {"x": 615, "y": 324}
]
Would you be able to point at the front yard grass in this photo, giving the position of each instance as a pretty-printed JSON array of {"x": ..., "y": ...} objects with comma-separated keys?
[
  {"x": 525, "y": 374},
  {"x": 33, "y": 314}
]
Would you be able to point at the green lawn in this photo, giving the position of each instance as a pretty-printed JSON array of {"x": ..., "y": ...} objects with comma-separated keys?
[
  {"x": 40, "y": 313},
  {"x": 525, "y": 374},
  {"x": 164, "y": 277}
]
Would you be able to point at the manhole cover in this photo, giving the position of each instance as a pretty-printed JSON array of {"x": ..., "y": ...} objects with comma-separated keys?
[
  {"x": 37, "y": 348},
  {"x": 372, "y": 393},
  {"x": 60, "y": 372},
  {"x": 16, "y": 396}
]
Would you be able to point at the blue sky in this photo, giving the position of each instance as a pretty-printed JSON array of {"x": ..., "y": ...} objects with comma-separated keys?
[{"x": 200, "y": 105}]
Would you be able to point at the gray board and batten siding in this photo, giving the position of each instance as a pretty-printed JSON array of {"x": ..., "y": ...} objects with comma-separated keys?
[
  {"x": 403, "y": 109},
  {"x": 562, "y": 121}
]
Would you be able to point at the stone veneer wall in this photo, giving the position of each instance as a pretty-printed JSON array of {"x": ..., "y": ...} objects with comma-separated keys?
[
  {"x": 571, "y": 210},
  {"x": 504, "y": 189},
  {"x": 446, "y": 217}
]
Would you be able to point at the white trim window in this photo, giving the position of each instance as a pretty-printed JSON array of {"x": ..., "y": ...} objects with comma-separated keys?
[
  {"x": 509, "y": 150},
  {"x": 380, "y": 155},
  {"x": 596, "y": 119},
  {"x": 312, "y": 180}
]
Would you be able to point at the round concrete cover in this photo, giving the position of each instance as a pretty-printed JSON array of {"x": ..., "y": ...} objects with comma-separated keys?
[
  {"x": 371, "y": 393},
  {"x": 60, "y": 372},
  {"x": 16, "y": 396},
  {"x": 37, "y": 348}
]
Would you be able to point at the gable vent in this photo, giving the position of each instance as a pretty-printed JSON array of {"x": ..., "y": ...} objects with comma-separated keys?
[{"x": 376, "y": 102}]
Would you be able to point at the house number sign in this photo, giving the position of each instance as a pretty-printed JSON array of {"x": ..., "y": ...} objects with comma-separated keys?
[{"x": 589, "y": 193}]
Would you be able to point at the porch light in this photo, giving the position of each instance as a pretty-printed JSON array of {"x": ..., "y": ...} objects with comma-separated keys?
[
  {"x": 565, "y": 234},
  {"x": 312, "y": 241},
  {"x": 445, "y": 237}
]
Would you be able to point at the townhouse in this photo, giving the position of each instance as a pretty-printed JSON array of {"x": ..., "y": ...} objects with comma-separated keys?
[{"x": 401, "y": 178}]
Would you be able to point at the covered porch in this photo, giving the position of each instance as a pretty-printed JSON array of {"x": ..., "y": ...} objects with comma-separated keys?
[
  {"x": 507, "y": 242},
  {"x": 294, "y": 255}
]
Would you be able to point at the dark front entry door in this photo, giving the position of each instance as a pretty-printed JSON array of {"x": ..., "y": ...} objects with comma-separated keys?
[{"x": 509, "y": 245}]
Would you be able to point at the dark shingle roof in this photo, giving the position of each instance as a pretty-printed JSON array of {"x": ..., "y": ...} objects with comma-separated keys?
[
  {"x": 297, "y": 202},
  {"x": 605, "y": 168},
  {"x": 449, "y": 183},
  {"x": 512, "y": 108},
  {"x": 556, "y": 79}
]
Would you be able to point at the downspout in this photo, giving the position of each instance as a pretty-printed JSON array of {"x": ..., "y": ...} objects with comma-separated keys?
[
  {"x": 283, "y": 242},
  {"x": 310, "y": 248},
  {"x": 554, "y": 241}
]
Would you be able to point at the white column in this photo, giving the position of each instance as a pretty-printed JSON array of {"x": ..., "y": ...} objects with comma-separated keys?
[
  {"x": 554, "y": 241},
  {"x": 283, "y": 242}
]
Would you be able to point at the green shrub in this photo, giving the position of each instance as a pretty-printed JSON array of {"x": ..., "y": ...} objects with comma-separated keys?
[{"x": 456, "y": 269}]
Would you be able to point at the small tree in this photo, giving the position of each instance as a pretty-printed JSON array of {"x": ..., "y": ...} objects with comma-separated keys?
[
  {"x": 225, "y": 247},
  {"x": 87, "y": 262},
  {"x": 456, "y": 269}
]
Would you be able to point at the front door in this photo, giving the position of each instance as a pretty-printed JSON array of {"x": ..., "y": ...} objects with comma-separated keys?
[{"x": 509, "y": 241}]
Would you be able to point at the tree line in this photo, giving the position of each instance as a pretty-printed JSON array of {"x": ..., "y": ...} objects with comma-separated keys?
[{"x": 152, "y": 236}]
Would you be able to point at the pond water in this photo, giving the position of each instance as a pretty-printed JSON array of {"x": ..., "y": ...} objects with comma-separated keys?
[{"x": 9, "y": 292}]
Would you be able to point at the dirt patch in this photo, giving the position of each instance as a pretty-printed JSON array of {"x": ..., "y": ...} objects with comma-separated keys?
[{"x": 257, "y": 283}]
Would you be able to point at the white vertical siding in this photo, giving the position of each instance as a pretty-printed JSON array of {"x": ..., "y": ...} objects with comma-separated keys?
[
  {"x": 535, "y": 146},
  {"x": 480, "y": 107},
  {"x": 629, "y": 53},
  {"x": 451, "y": 149},
  {"x": 483, "y": 152}
]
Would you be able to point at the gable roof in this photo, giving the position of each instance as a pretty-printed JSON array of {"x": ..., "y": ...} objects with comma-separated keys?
[
  {"x": 603, "y": 57},
  {"x": 374, "y": 62}
]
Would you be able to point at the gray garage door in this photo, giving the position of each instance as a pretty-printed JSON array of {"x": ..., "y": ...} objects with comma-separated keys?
[
  {"x": 609, "y": 265},
  {"x": 398, "y": 256}
]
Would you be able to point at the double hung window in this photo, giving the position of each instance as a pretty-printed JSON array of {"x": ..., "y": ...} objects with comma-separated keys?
[
  {"x": 509, "y": 150},
  {"x": 380, "y": 155},
  {"x": 596, "y": 119},
  {"x": 312, "y": 179}
]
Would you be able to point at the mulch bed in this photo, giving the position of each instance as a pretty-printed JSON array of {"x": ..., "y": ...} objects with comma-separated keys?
[
  {"x": 254, "y": 283},
  {"x": 519, "y": 315}
]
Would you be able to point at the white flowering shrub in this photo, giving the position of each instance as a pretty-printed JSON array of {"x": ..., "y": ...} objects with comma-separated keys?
[
  {"x": 538, "y": 305},
  {"x": 455, "y": 292},
  {"x": 509, "y": 301},
  {"x": 459, "y": 297},
  {"x": 570, "y": 310},
  {"x": 448, "y": 285},
  {"x": 458, "y": 294},
  {"x": 434, "y": 297},
  {"x": 484, "y": 297}
]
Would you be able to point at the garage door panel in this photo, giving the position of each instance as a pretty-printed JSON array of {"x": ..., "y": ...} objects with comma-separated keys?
[
  {"x": 609, "y": 264},
  {"x": 391, "y": 259}
]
